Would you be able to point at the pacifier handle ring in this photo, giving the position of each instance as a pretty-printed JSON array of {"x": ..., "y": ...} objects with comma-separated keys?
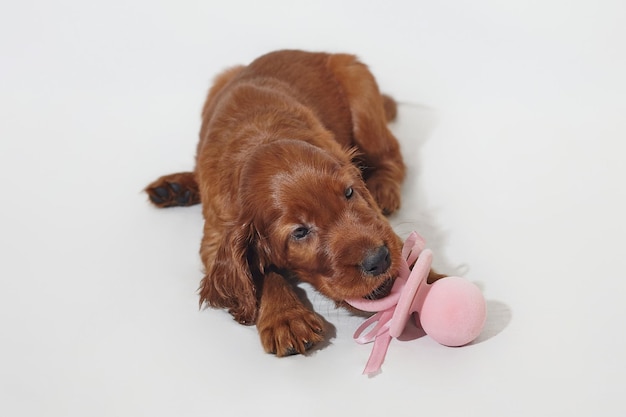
[{"x": 404, "y": 308}]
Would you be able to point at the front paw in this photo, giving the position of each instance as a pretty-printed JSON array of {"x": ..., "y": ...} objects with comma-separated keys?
[
  {"x": 291, "y": 331},
  {"x": 386, "y": 193}
]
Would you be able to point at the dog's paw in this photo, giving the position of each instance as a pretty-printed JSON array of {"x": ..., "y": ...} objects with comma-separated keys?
[
  {"x": 172, "y": 190},
  {"x": 291, "y": 331},
  {"x": 386, "y": 193}
]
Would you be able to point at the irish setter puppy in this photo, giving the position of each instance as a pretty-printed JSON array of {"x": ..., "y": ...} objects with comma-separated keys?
[{"x": 295, "y": 171}]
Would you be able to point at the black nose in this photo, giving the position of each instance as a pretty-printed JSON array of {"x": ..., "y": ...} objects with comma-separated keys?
[{"x": 377, "y": 261}]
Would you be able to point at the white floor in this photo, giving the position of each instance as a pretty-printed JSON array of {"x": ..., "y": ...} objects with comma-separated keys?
[{"x": 513, "y": 125}]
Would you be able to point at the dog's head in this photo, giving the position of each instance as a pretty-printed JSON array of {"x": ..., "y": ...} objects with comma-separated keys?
[{"x": 307, "y": 211}]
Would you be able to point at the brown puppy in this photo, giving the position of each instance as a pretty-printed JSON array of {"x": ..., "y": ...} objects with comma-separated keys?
[{"x": 295, "y": 169}]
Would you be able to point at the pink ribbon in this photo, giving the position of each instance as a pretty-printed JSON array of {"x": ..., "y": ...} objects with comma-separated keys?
[{"x": 393, "y": 311}]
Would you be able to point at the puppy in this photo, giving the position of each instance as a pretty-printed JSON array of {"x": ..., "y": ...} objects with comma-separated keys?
[{"x": 296, "y": 170}]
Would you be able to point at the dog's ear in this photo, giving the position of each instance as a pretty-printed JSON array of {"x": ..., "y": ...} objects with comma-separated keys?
[{"x": 229, "y": 282}]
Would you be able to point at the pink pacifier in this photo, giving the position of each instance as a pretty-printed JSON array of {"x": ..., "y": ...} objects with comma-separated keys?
[{"x": 452, "y": 310}]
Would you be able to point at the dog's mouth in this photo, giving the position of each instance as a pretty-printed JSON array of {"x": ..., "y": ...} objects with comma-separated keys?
[{"x": 382, "y": 291}]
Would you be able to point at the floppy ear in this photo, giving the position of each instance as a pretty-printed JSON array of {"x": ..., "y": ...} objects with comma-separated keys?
[{"x": 229, "y": 282}]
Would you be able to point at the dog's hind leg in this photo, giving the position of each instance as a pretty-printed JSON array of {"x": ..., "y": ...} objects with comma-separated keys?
[
  {"x": 383, "y": 167},
  {"x": 179, "y": 189},
  {"x": 391, "y": 108}
]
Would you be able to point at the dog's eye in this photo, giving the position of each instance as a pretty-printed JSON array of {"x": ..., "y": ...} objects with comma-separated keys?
[
  {"x": 300, "y": 233},
  {"x": 349, "y": 193}
]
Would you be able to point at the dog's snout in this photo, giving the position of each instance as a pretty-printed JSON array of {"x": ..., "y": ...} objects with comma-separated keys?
[{"x": 377, "y": 261}]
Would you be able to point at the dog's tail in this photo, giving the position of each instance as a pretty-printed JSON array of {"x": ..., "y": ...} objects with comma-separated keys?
[
  {"x": 179, "y": 189},
  {"x": 391, "y": 108}
]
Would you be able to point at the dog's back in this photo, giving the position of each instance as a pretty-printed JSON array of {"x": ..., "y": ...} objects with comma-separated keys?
[
  {"x": 275, "y": 85},
  {"x": 312, "y": 82}
]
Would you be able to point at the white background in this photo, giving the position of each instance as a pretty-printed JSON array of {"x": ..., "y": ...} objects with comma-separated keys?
[{"x": 513, "y": 126}]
